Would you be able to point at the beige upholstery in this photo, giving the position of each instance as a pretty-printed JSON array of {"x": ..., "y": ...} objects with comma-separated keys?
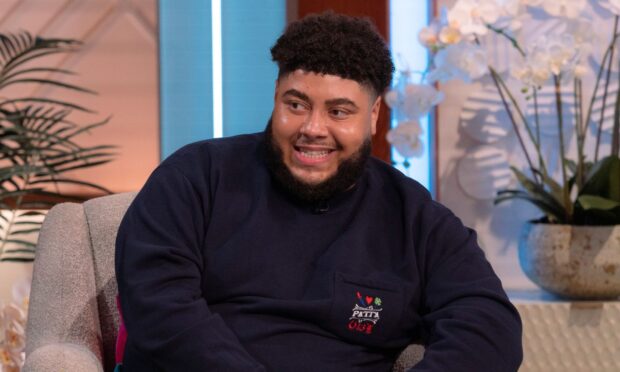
[{"x": 73, "y": 322}]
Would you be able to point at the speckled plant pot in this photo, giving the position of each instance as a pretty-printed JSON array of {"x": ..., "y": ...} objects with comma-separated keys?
[{"x": 578, "y": 262}]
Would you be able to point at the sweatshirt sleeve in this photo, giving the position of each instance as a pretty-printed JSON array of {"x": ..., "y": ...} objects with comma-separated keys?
[
  {"x": 469, "y": 322},
  {"x": 159, "y": 263}
]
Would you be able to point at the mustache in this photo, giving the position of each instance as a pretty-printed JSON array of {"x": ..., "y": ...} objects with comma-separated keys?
[{"x": 305, "y": 141}]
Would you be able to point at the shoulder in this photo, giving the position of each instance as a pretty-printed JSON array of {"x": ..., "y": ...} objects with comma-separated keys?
[
  {"x": 392, "y": 181},
  {"x": 214, "y": 153},
  {"x": 407, "y": 194}
]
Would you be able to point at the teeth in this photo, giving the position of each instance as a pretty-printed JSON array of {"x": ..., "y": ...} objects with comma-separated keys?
[{"x": 315, "y": 154}]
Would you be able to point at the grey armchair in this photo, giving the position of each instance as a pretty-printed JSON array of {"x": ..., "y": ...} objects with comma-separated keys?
[{"x": 73, "y": 321}]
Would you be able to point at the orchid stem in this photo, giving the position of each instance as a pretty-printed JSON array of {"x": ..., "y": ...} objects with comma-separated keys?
[
  {"x": 541, "y": 161},
  {"x": 500, "y": 90},
  {"x": 615, "y": 137},
  {"x": 512, "y": 40},
  {"x": 565, "y": 193},
  {"x": 580, "y": 132},
  {"x": 602, "y": 119},
  {"x": 598, "y": 81}
]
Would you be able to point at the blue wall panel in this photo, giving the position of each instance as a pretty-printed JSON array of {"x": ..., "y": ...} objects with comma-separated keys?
[
  {"x": 186, "y": 91},
  {"x": 249, "y": 29}
]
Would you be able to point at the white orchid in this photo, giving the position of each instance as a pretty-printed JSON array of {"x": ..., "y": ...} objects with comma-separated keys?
[
  {"x": 584, "y": 37},
  {"x": 612, "y": 5},
  {"x": 12, "y": 329},
  {"x": 449, "y": 35},
  {"x": 534, "y": 72},
  {"x": 532, "y": 2},
  {"x": 406, "y": 138},
  {"x": 428, "y": 36},
  {"x": 556, "y": 54},
  {"x": 414, "y": 101},
  {"x": 563, "y": 8},
  {"x": 439, "y": 33},
  {"x": 463, "y": 61},
  {"x": 472, "y": 16}
]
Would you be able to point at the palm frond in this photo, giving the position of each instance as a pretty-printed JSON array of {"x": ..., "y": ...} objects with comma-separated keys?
[{"x": 38, "y": 141}]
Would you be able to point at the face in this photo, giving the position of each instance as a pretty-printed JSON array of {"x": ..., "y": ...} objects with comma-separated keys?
[{"x": 319, "y": 122}]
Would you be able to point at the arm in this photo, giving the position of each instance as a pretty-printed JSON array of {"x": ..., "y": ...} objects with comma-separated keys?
[
  {"x": 469, "y": 321},
  {"x": 159, "y": 268}
]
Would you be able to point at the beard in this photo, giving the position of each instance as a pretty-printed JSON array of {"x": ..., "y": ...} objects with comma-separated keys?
[{"x": 348, "y": 173}]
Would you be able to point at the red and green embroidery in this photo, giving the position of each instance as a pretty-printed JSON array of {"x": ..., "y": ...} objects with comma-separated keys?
[{"x": 366, "y": 314}]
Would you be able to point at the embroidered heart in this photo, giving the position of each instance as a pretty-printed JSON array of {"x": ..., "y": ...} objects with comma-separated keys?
[
  {"x": 369, "y": 300},
  {"x": 359, "y": 295}
]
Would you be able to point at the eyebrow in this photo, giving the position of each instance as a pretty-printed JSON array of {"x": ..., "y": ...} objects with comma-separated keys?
[
  {"x": 341, "y": 101},
  {"x": 330, "y": 102},
  {"x": 298, "y": 94}
]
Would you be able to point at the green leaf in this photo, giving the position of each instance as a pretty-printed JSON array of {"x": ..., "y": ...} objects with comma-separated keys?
[
  {"x": 21, "y": 242},
  {"x": 28, "y": 223},
  {"x": 31, "y": 214},
  {"x": 571, "y": 165},
  {"x": 24, "y": 232},
  {"x": 552, "y": 201},
  {"x": 45, "y": 100},
  {"x": 47, "y": 82},
  {"x": 553, "y": 210},
  {"x": 13, "y": 251},
  {"x": 603, "y": 179},
  {"x": 597, "y": 202},
  {"x": 556, "y": 189},
  {"x": 17, "y": 259},
  {"x": 36, "y": 70}
]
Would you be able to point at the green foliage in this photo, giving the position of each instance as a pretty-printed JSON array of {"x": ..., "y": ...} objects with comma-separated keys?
[
  {"x": 38, "y": 141},
  {"x": 596, "y": 203}
]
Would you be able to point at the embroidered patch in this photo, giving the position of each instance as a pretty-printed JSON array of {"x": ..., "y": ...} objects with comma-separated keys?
[{"x": 366, "y": 314}]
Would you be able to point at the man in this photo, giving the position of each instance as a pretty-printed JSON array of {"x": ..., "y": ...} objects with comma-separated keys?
[{"x": 294, "y": 250}]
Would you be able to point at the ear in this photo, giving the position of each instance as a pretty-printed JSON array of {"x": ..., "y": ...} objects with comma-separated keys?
[{"x": 374, "y": 115}]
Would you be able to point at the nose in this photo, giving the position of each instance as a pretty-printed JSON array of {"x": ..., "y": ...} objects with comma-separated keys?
[{"x": 314, "y": 125}]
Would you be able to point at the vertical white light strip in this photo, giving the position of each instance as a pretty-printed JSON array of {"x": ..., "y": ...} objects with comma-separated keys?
[
  {"x": 407, "y": 18},
  {"x": 216, "y": 49}
]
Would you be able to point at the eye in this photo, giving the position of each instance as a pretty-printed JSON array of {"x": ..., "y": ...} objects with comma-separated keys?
[
  {"x": 339, "y": 113},
  {"x": 296, "y": 106}
]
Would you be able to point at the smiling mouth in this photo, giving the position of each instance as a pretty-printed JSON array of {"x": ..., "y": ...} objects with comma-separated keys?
[
  {"x": 309, "y": 155},
  {"x": 316, "y": 154}
]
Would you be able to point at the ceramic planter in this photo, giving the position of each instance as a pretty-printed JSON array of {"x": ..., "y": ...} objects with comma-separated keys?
[{"x": 577, "y": 262}]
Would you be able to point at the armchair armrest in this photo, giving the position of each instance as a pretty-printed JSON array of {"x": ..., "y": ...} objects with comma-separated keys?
[
  {"x": 62, "y": 357},
  {"x": 63, "y": 299}
]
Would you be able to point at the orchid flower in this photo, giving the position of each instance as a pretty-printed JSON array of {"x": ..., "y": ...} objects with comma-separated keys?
[
  {"x": 405, "y": 138},
  {"x": 549, "y": 55},
  {"x": 564, "y": 8},
  {"x": 463, "y": 61},
  {"x": 414, "y": 101},
  {"x": 471, "y": 17},
  {"x": 612, "y": 5}
]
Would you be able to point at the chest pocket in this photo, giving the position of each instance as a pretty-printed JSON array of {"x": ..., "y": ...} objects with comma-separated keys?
[{"x": 366, "y": 311}]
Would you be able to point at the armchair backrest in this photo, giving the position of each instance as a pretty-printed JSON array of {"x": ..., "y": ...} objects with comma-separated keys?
[{"x": 74, "y": 285}]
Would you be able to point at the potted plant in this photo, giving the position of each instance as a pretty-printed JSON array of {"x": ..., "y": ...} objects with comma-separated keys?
[
  {"x": 573, "y": 250},
  {"x": 38, "y": 140}
]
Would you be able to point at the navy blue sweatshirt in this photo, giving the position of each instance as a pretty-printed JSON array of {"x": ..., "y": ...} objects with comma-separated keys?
[{"x": 218, "y": 270}]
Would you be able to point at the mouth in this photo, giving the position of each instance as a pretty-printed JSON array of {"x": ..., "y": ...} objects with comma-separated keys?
[{"x": 313, "y": 155}]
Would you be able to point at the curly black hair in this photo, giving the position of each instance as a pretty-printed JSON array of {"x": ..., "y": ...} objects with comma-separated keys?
[{"x": 335, "y": 44}]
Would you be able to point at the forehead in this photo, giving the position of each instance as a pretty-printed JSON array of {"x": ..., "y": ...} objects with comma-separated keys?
[{"x": 325, "y": 85}]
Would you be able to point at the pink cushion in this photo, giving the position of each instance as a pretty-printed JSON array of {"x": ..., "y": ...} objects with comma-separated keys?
[{"x": 121, "y": 339}]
